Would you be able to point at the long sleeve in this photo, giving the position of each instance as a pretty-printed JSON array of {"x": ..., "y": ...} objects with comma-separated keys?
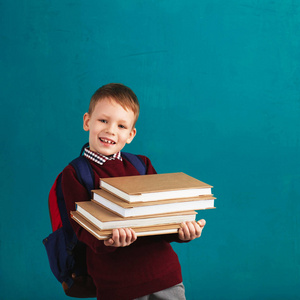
[{"x": 74, "y": 192}]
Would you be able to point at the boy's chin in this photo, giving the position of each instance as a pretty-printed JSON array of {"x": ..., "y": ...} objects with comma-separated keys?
[{"x": 108, "y": 152}]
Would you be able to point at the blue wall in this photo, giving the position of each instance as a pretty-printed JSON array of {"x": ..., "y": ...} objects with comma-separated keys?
[{"x": 219, "y": 87}]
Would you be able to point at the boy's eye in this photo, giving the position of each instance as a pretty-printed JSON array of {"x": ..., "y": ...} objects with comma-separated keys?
[
  {"x": 103, "y": 121},
  {"x": 122, "y": 126}
]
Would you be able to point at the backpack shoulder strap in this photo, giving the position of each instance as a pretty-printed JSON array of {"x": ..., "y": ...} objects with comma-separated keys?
[
  {"x": 84, "y": 172},
  {"x": 85, "y": 176},
  {"x": 83, "y": 147},
  {"x": 136, "y": 161}
]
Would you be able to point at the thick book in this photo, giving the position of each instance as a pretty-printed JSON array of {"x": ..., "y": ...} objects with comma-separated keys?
[
  {"x": 105, "y": 219},
  {"x": 155, "y": 187},
  {"x": 140, "y": 231},
  {"x": 125, "y": 209}
]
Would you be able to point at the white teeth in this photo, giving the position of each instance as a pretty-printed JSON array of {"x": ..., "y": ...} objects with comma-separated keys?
[{"x": 107, "y": 141}]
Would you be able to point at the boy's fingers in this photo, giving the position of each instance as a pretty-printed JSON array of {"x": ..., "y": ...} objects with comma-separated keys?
[
  {"x": 201, "y": 223},
  {"x": 109, "y": 242},
  {"x": 121, "y": 237},
  {"x": 198, "y": 229},
  {"x": 181, "y": 234},
  {"x": 183, "y": 231},
  {"x": 116, "y": 236},
  {"x": 134, "y": 236},
  {"x": 114, "y": 240},
  {"x": 191, "y": 230},
  {"x": 131, "y": 236},
  {"x": 127, "y": 236}
]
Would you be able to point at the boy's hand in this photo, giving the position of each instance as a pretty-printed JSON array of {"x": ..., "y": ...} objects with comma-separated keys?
[
  {"x": 121, "y": 237},
  {"x": 191, "y": 230}
]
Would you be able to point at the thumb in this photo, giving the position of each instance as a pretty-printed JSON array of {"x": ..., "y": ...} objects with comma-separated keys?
[
  {"x": 109, "y": 242},
  {"x": 201, "y": 223}
]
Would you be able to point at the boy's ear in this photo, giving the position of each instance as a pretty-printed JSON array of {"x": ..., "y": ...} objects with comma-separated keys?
[
  {"x": 86, "y": 122},
  {"x": 131, "y": 136}
]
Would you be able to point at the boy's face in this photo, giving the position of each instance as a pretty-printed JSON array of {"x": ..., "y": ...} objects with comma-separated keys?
[{"x": 110, "y": 127}]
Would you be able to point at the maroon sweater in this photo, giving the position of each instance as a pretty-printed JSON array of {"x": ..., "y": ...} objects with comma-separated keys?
[{"x": 146, "y": 266}]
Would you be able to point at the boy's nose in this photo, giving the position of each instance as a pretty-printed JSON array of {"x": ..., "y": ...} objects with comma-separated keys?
[{"x": 110, "y": 129}]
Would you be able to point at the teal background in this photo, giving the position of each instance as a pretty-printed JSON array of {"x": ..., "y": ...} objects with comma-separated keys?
[{"x": 218, "y": 82}]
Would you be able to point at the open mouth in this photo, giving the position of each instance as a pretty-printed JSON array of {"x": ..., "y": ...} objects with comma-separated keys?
[{"x": 107, "y": 141}]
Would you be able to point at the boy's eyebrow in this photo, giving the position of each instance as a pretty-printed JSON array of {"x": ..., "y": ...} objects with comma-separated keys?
[
  {"x": 124, "y": 122},
  {"x": 103, "y": 115}
]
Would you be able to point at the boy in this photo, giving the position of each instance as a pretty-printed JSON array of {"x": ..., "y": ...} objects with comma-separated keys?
[{"x": 123, "y": 267}]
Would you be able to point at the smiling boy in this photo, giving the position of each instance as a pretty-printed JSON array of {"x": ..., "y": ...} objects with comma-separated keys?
[
  {"x": 123, "y": 267},
  {"x": 110, "y": 127}
]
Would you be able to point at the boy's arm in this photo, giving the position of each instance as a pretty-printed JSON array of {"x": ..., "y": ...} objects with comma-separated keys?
[{"x": 74, "y": 192}]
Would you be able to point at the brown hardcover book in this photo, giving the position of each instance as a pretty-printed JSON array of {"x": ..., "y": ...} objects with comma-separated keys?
[
  {"x": 125, "y": 209},
  {"x": 105, "y": 219},
  {"x": 140, "y": 231},
  {"x": 155, "y": 187}
]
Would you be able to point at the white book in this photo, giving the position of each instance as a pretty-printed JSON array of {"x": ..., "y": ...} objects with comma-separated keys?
[
  {"x": 103, "y": 218},
  {"x": 125, "y": 209},
  {"x": 155, "y": 187},
  {"x": 140, "y": 231}
]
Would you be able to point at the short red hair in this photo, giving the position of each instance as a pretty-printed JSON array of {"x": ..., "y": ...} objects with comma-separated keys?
[{"x": 119, "y": 93}]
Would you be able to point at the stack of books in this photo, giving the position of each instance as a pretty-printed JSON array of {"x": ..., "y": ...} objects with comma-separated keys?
[{"x": 149, "y": 204}]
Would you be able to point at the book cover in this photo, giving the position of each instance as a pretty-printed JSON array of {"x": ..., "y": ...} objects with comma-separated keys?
[
  {"x": 140, "y": 231},
  {"x": 155, "y": 187},
  {"x": 103, "y": 218},
  {"x": 125, "y": 209}
]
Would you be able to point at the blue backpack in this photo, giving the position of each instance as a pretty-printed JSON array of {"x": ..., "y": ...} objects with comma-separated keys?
[{"x": 65, "y": 253}]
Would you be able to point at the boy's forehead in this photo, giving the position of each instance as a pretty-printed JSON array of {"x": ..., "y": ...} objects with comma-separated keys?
[
  {"x": 107, "y": 106},
  {"x": 109, "y": 103}
]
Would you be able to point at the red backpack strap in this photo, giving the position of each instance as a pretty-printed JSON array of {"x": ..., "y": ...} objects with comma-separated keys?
[
  {"x": 54, "y": 212},
  {"x": 57, "y": 210}
]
